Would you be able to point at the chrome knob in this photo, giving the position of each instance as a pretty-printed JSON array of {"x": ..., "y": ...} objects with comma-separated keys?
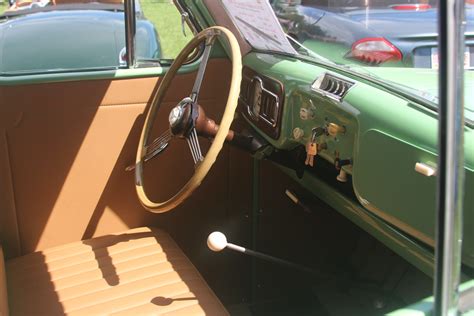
[{"x": 175, "y": 115}]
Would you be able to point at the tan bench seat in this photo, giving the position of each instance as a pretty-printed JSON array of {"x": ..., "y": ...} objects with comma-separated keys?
[{"x": 141, "y": 271}]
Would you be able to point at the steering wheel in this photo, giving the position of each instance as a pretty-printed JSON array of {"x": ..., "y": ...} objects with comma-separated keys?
[{"x": 188, "y": 119}]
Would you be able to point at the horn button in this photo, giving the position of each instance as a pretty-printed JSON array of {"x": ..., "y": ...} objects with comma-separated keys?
[{"x": 182, "y": 117}]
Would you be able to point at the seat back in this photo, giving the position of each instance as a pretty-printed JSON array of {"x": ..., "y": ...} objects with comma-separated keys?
[{"x": 3, "y": 286}]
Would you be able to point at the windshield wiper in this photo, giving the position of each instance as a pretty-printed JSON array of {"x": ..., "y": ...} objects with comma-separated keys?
[{"x": 308, "y": 52}]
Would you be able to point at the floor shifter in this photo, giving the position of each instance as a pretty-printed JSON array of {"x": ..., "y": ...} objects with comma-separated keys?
[{"x": 217, "y": 241}]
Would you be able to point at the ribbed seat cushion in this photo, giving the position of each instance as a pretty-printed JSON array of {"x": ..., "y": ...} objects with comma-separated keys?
[{"x": 141, "y": 271}]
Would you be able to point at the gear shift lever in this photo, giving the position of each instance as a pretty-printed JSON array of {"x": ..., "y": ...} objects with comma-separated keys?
[{"x": 217, "y": 241}]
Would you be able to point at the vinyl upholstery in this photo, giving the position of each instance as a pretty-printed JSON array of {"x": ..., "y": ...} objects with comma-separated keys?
[
  {"x": 3, "y": 287},
  {"x": 141, "y": 271}
]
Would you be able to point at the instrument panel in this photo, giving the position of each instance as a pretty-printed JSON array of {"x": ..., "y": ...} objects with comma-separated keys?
[
  {"x": 320, "y": 120},
  {"x": 337, "y": 125}
]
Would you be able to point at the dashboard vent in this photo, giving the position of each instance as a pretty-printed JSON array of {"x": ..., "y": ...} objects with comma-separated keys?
[
  {"x": 269, "y": 110},
  {"x": 331, "y": 86}
]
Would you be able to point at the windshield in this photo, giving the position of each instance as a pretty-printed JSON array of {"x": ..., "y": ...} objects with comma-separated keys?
[
  {"x": 377, "y": 33},
  {"x": 388, "y": 40}
]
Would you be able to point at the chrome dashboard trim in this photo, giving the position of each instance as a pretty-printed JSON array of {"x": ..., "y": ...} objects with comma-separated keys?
[
  {"x": 269, "y": 120},
  {"x": 316, "y": 86}
]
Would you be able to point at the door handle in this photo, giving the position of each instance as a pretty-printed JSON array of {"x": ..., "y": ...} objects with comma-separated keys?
[{"x": 425, "y": 169}]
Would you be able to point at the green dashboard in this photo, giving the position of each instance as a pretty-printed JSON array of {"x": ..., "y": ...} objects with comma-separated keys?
[{"x": 380, "y": 142}]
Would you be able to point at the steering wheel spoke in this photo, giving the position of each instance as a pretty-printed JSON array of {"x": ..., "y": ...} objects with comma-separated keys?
[
  {"x": 194, "y": 147},
  {"x": 155, "y": 148},
  {"x": 158, "y": 145},
  {"x": 202, "y": 68}
]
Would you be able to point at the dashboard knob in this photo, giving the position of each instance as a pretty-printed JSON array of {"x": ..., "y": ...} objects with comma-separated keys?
[
  {"x": 306, "y": 114},
  {"x": 334, "y": 129},
  {"x": 298, "y": 133},
  {"x": 342, "y": 176}
]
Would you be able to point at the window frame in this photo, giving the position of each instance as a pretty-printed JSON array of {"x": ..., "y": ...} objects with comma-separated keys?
[{"x": 130, "y": 37}]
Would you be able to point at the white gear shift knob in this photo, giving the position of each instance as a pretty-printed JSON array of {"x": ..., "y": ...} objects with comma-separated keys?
[{"x": 216, "y": 241}]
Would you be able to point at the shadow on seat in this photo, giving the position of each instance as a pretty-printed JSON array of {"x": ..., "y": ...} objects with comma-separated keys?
[
  {"x": 165, "y": 301},
  {"x": 141, "y": 271},
  {"x": 100, "y": 247}
]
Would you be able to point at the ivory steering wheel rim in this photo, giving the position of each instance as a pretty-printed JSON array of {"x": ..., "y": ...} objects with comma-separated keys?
[{"x": 205, "y": 165}]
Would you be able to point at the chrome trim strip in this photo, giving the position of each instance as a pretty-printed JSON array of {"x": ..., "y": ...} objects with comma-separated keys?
[
  {"x": 316, "y": 86},
  {"x": 451, "y": 158},
  {"x": 272, "y": 121},
  {"x": 130, "y": 32},
  {"x": 194, "y": 146}
]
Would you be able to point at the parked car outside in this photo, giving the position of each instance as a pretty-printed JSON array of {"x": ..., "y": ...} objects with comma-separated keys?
[
  {"x": 385, "y": 33},
  {"x": 56, "y": 37}
]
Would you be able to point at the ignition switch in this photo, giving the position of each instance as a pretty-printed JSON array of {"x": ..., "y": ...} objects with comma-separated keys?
[
  {"x": 338, "y": 164},
  {"x": 306, "y": 114}
]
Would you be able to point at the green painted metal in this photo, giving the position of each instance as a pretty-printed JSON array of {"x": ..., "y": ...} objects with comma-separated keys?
[
  {"x": 426, "y": 81},
  {"x": 390, "y": 141},
  {"x": 92, "y": 75},
  {"x": 425, "y": 306},
  {"x": 386, "y": 135}
]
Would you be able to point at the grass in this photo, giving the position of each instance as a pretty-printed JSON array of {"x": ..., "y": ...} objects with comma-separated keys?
[
  {"x": 3, "y": 6},
  {"x": 167, "y": 20}
]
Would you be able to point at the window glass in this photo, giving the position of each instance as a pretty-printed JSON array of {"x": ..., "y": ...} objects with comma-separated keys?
[
  {"x": 371, "y": 33},
  {"x": 163, "y": 18},
  {"x": 40, "y": 36}
]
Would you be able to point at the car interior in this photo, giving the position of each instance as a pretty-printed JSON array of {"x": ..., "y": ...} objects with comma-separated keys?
[{"x": 107, "y": 199}]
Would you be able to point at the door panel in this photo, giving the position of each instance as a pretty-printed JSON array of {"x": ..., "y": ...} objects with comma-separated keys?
[{"x": 64, "y": 149}]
